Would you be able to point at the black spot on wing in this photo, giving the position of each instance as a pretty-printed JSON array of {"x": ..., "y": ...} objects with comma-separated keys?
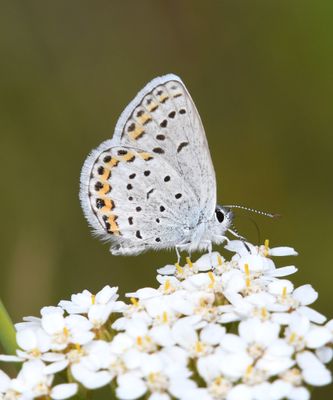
[
  {"x": 131, "y": 128},
  {"x": 158, "y": 150},
  {"x": 181, "y": 146},
  {"x": 98, "y": 186},
  {"x": 100, "y": 203},
  {"x": 149, "y": 193}
]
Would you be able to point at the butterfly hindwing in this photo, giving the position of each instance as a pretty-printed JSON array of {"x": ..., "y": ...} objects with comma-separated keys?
[{"x": 137, "y": 200}]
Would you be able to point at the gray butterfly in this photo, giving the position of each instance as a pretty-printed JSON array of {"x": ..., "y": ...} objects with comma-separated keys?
[{"x": 152, "y": 186}]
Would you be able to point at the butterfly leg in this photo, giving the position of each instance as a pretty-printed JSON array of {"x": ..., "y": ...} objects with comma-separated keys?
[
  {"x": 221, "y": 239},
  {"x": 180, "y": 247},
  {"x": 178, "y": 253}
]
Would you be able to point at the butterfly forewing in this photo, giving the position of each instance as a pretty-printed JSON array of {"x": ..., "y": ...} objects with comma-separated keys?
[{"x": 166, "y": 122}]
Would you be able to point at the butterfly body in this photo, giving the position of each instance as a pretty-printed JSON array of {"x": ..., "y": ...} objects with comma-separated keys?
[{"x": 152, "y": 186}]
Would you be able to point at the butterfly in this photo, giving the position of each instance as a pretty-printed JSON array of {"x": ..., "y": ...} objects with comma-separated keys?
[{"x": 153, "y": 185}]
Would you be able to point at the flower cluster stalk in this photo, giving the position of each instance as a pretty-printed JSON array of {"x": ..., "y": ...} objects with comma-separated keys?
[{"x": 7, "y": 331}]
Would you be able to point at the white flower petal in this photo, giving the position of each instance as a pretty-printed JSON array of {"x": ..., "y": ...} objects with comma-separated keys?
[
  {"x": 53, "y": 322},
  {"x": 299, "y": 393},
  {"x": 318, "y": 337},
  {"x": 180, "y": 387},
  {"x": 305, "y": 295},
  {"x": 9, "y": 358},
  {"x": 280, "y": 286},
  {"x": 205, "y": 262},
  {"x": 283, "y": 271},
  {"x": 282, "y": 251},
  {"x": 107, "y": 294},
  {"x": 167, "y": 270},
  {"x": 317, "y": 377},
  {"x": 64, "y": 391},
  {"x": 162, "y": 335},
  {"x": 312, "y": 315},
  {"x": 52, "y": 357},
  {"x": 56, "y": 367},
  {"x": 235, "y": 365},
  {"x": 325, "y": 354},
  {"x": 212, "y": 334},
  {"x": 233, "y": 343},
  {"x": 184, "y": 333},
  {"x": 26, "y": 339},
  {"x": 90, "y": 379},
  {"x": 240, "y": 392},
  {"x": 4, "y": 382},
  {"x": 130, "y": 387}
]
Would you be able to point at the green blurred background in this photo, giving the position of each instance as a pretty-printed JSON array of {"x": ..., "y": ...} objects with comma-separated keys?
[{"x": 260, "y": 73}]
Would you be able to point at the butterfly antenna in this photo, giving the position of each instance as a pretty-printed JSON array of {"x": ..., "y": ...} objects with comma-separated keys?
[{"x": 266, "y": 214}]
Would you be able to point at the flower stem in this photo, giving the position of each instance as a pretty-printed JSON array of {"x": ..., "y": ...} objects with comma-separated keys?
[{"x": 7, "y": 331}]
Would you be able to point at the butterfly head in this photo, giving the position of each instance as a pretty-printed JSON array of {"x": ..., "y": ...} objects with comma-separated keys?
[{"x": 221, "y": 220}]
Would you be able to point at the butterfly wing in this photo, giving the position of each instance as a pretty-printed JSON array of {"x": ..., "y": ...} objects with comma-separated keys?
[
  {"x": 163, "y": 119},
  {"x": 136, "y": 200},
  {"x": 149, "y": 186}
]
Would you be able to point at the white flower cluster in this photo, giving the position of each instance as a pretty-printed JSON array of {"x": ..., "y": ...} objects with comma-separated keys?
[{"x": 212, "y": 330}]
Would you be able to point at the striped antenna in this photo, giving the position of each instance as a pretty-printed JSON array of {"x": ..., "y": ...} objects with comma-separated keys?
[{"x": 266, "y": 214}]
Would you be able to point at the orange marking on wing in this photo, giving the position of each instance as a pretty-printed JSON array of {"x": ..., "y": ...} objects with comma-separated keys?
[
  {"x": 109, "y": 205},
  {"x": 106, "y": 174},
  {"x": 145, "y": 156},
  {"x": 152, "y": 106},
  {"x": 114, "y": 227},
  {"x": 137, "y": 133},
  {"x": 105, "y": 189},
  {"x": 114, "y": 162},
  {"x": 163, "y": 98},
  {"x": 144, "y": 119},
  {"x": 128, "y": 157}
]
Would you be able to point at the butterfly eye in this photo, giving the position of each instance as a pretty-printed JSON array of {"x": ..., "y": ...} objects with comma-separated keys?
[{"x": 219, "y": 215}]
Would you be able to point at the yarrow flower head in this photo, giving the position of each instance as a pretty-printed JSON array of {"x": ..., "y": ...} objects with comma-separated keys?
[{"x": 212, "y": 329}]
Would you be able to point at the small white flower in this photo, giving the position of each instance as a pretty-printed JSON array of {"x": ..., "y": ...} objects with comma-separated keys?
[
  {"x": 185, "y": 335},
  {"x": 97, "y": 307},
  {"x": 81, "y": 303},
  {"x": 301, "y": 333},
  {"x": 62, "y": 330},
  {"x": 33, "y": 382},
  {"x": 98, "y": 366}
]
